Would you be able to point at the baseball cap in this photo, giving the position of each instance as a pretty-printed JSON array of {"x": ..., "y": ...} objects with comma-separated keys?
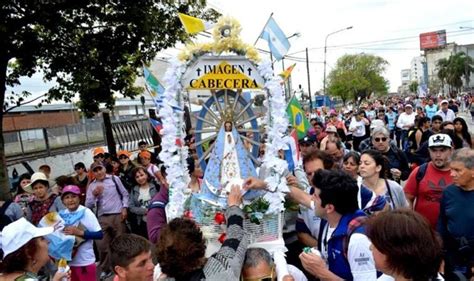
[
  {"x": 444, "y": 101},
  {"x": 408, "y": 105},
  {"x": 97, "y": 164},
  {"x": 18, "y": 233},
  {"x": 145, "y": 154},
  {"x": 123, "y": 152},
  {"x": 74, "y": 189},
  {"x": 38, "y": 176},
  {"x": 331, "y": 129},
  {"x": 98, "y": 150},
  {"x": 306, "y": 140},
  {"x": 440, "y": 140}
]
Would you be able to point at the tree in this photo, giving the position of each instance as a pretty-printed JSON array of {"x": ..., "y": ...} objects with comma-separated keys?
[
  {"x": 358, "y": 76},
  {"x": 413, "y": 87},
  {"x": 453, "y": 69},
  {"x": 93, "y": 48}
]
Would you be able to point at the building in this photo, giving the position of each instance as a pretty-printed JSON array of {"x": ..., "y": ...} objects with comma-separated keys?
[
  {"x": 418, "y": 69},
  {"x": 432, "y": 57},
  {"x": 32, "y": 117},
  {"x": 405, "y": 75}
]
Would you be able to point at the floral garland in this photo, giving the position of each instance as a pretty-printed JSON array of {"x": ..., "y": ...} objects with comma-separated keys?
[{"x": 226, "y": 39}]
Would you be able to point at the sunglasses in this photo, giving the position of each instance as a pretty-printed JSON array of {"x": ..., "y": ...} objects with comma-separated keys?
[
  {"x": 123, "y": 157},
  {"x": 380, "y": 139},
  {"x": 99, "y": 156}
]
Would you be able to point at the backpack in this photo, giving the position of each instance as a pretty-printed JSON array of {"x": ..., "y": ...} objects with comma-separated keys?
[
  {"x": 4, "y": 219},
  {"x": 420, "y": 174},
  {"x": 355, "y": 225}
]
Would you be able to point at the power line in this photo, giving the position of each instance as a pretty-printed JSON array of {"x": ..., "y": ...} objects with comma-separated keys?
[{"x": 385, "y": 41}]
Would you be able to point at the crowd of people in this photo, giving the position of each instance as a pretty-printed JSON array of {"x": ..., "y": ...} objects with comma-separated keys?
[{"x": 385, "y": 192}]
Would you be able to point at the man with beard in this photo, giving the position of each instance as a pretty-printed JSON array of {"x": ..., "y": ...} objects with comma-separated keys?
[{"x": 427, "y": 182}]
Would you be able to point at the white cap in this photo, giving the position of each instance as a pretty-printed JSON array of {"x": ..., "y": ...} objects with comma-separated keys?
[
  {"x": 444, "y": 101},
  {"x": 38, "y": 176},
  {"x": 440, "y": 140},
  {"x": 18, "y": 233}
]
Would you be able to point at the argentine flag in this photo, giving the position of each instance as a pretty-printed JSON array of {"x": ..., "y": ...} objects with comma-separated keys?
[{"x": 277, "y": 41}]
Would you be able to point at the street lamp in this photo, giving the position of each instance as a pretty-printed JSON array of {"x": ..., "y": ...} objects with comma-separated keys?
[{"x": 325, "y": 50}]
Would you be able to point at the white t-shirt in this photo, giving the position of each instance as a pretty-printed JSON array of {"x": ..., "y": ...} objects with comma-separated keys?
[
  {"x": 85, "y": 254},
  {"x": 144, "y": 197},
  {"x": 359, "y": 126},
  {"x": 360, "y": 258}
]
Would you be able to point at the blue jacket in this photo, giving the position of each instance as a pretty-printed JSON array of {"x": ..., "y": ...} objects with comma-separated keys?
[{"x": 338, "y": 244}]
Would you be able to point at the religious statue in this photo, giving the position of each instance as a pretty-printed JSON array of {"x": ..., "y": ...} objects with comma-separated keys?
[{"x": 228, "y": 164}]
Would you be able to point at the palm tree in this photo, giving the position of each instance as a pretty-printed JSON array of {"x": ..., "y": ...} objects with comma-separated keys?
[
  {"x": 452, "y": 70},
  {"x": 442, "y": 66}
]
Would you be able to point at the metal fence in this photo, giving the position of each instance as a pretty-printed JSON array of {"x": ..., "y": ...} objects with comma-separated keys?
[{"x": 45, "y": 140}]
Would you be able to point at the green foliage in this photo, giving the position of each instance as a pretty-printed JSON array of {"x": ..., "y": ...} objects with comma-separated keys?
[
  {"x": 453, "y": 69},
  {"x": 358, "y": 76},
  {"x": 94, "y": 48},
  {"x": 256, "y": 209},
  {"x": 413, "y": 86}
]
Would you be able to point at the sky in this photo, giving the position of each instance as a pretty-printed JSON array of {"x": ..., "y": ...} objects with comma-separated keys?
[{"x": 375, "y": 23}]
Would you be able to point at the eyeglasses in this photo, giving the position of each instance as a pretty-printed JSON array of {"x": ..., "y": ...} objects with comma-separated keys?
[
  {"x": 269, "y": 277},
  {"x": 123, "y": 157},
  {"x": 380, "y": 139}
]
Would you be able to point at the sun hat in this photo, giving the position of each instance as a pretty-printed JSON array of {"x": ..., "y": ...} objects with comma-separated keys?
[
  {"x": 38, "y": 176},
  {"x": 18, "y": 233},
  {"x": 440, "y": 140}
]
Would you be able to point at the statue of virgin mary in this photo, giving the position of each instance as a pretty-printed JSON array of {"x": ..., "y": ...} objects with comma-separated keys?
[{"x": 228, "y": 163}]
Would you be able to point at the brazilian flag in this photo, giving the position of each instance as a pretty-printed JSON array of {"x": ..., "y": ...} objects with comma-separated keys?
[{"x": 297, "y": 118}]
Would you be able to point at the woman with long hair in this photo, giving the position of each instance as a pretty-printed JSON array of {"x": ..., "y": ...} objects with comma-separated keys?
[
  {"x": 140, "y": 197},
  {"x": 25, "y": 252},
  {"x": 196, "y": 174},
  {"x": 373, "y": 170},
  {"x": 125, "y": 171},
  {"x": 462, "y": 131},
  {"x": 24, "y": 196}
]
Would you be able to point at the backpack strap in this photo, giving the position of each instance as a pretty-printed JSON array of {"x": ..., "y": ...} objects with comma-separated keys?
[
  {"x": 420, "y": 174},
  {"x": 117, "y": 188},
  {"x": 4, "y": 207},
  {"x": 355, "y": 226}
]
